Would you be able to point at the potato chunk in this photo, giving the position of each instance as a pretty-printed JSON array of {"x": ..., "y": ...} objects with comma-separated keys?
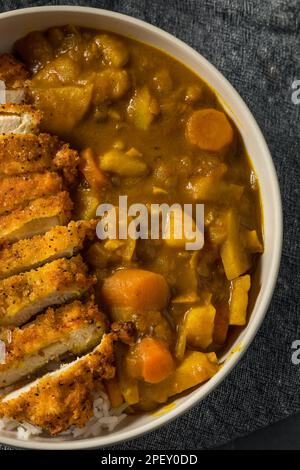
[
  {"x": 236, "y": 260},
  {"x": 110, "y": 85},
  {"x": 114, "y": 52},
  {"x": 239, "y": 300},
  {"x": 211, "y": 189},
  {"x": 143, "y": 108},
  {"x": 199, "y": 326},
  {"x": 197, "y": 367},
  {"x": 34, "y": 50},
  {"x": 123, "y": 164},
  {"x": 180, "y": 229},
  {"x": 62, "y": 70},
  {"x": 63, "y": 107},
  {"x": 252, "y": 242}
]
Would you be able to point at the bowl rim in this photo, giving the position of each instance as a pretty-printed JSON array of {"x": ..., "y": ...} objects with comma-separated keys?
[{"x": 125, "y": 435}]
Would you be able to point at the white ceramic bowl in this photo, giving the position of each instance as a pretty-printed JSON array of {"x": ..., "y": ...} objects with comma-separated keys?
[{"x": 15, "y": 24}]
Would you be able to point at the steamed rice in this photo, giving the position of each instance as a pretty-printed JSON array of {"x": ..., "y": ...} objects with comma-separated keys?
[{"x": 105, "y": 419}]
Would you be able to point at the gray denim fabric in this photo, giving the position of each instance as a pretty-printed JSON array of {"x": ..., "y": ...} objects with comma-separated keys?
[{"x": 256, "y": 45}]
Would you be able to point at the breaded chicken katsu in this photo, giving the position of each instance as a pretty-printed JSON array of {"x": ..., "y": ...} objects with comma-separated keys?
[
  {"x": 75, "y": 328},
  {"x": 17, "y": 191},
  {"x": 19, "y": 119},
  {"x": 26, "y": 294},
  {"x": 65, "y": 397},
  {"x": 59, "y": 242},
  {"x": 12, "y": 71},
  {"x": 29, "y": 153},
  {"x": 48, "y": 311},
  {"x": 38, "y": 217}
]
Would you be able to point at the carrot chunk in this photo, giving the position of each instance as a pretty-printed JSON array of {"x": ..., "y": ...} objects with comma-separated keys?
[
  {"x": 135, "y": 290},
  {"x": 209, "y": 129},
  {"x": 92, "y": 173},
  {"x": 154, "y": 362}
]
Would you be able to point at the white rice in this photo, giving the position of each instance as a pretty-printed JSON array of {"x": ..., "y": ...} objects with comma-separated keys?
[{"x": 105, "y": 419}]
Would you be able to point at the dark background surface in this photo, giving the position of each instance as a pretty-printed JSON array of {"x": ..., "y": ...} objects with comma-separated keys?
[{"x": 256, "y": 45}]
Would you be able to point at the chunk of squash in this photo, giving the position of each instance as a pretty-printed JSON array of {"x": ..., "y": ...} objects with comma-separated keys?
[
  {"x": 63, "y": 107},
  {"x": 236, "y": 260},
  {"x": 199, "y": 326},
  {"x": 119, "y": 162},
  {"x": 239, "y": 300}
]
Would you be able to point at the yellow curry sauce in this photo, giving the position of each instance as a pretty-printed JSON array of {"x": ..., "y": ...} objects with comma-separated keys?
[{"x": 151, "y": 129}]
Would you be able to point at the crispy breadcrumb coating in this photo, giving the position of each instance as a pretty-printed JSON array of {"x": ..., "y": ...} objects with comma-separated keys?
[
  {"x": 19, "y": 119},
  {"x": 12, "y": 72},
  {"x": 26, "y": 294},
  {"x": 59, "y": 242},
  {"x": 29, "y": 153},
  {"x": 65, "y": 397},
  {"x": 17, "y": 191},
  {"x": 36, "y": 218},
  {"x": 73, "y": 328}
]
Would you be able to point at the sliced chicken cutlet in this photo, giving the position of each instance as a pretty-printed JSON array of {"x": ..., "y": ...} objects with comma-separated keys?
[
  {"x": 17, "y": 191},
  {"x": 73, "y": 328},
  {"x": 12, "y": 72},
  {"x": 19, "y": 119},
  {"x": 38, "y": 217},
  {"x": 26, "y": 294},
  {"x": 29, "y": 153},
  {"x": 59, "y": 242},
  {"x": 65, "y": 397}
]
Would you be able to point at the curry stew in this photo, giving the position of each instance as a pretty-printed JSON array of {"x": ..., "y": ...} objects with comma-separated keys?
[{"x": 149, "y": 128}]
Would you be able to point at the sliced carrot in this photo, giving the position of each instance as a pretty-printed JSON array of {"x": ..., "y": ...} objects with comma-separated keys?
[
  {"x": 135, "y": 290},
  {"x": 92, "y": 173},
  {"x": 209, "y": 129},
  {"x": 113, "y": 391},
  {"x": 153, "y": 360}
]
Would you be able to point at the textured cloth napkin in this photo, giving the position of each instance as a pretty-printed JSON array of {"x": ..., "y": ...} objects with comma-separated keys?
[{"x": 256, "y": 45}]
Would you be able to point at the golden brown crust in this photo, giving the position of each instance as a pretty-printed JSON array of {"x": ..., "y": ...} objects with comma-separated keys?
[
  {"x": 19, "y": 119},
  {"x": 35, "y": 218},
  {"x": 55, "y": 325},
  {"x": 28, "y": 153},
  {"x": 67, "y": 160},
  {"x": 12, "y": 72},
  {"x": 58, "y": 242},
  {"x": 64, "y": 398},
  {"x": 33, "y": 291},
  {"x": 16, "y": 191},
  {"x": 20, "y": 108}
]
